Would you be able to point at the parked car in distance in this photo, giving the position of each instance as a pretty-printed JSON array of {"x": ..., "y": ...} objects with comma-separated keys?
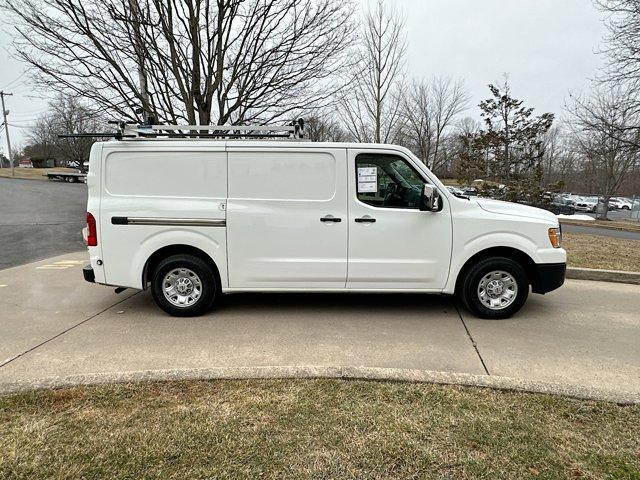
[
  {"x": 614, "y": 204},
  {"x": 561, "y": 205},
  {"x": 569, "y": 199},
  {"x": 587, "y": 204},
  {"x": 621, "y": 203},
  {"x": 191, "y": 219}
]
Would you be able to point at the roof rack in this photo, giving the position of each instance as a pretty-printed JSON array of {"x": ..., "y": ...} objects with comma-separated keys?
[{"x": 293, "y": 131}]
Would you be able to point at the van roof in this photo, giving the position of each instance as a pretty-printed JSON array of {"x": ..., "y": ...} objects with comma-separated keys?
[{"x": 297, "y": 144}]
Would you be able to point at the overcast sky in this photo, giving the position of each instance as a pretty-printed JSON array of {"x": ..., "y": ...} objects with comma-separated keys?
[{"x": 547, "y": 47}]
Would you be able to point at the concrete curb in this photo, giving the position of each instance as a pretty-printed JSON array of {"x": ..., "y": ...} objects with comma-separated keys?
[
  {"x": 332, "y": 372},
  {"x": 616, "y": 276}
]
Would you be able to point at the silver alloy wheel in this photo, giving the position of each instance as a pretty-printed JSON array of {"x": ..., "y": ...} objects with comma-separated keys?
[
  {"x": 497, "y": 290},
  {"x": 182, "y": 287}
]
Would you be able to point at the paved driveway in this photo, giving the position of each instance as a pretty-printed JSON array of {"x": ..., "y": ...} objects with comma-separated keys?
[{"x": 56, "y": 325}]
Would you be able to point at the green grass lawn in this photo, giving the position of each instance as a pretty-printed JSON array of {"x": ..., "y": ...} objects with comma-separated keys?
[{"x": 313, "y": 429}]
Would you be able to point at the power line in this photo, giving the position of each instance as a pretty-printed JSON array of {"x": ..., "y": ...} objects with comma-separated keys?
[{"x": 15, "y": 80}]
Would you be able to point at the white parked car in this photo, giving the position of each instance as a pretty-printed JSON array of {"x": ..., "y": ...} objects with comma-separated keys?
[
  {"x": 587, "y": 204},
  {"x": 621, "y": 203},
  {"x": 191, "y": 219}
]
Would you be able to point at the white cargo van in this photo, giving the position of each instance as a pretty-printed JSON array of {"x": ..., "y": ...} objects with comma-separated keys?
[{"x": 192, "y": 219}]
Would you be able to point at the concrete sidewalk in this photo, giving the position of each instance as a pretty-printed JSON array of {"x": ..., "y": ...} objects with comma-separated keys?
[{"x": 582, "y": 338}]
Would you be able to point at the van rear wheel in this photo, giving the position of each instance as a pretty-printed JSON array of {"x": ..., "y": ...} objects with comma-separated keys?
[
  {"x": 184, "y": 286},
  {"x": 495, "y": 288}
]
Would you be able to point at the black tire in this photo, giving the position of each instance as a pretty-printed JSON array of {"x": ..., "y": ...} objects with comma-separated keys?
[
  {"x": 468, "y": 291},
  {"x": 209, "y": 285}
]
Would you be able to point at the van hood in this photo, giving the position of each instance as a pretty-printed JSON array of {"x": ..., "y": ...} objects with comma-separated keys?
[{"x": 510, "y": 208}]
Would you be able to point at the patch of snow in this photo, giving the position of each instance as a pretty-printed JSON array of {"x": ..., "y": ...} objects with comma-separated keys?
[{"x": 579, "y": 217}]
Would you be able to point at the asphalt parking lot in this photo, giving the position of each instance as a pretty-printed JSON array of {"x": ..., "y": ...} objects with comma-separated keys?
[
  {"x": 607, "y": 232},
  {"x": 584, "y": 336},
  {"x": 40, "y": 219}
]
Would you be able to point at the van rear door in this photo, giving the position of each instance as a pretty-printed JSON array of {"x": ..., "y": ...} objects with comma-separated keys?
[{"x": 287, "y": 218}]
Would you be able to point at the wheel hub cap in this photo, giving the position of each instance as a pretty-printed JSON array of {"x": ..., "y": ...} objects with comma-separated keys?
[
  {"x": 182, "y": 287},
  {"x": 497, "y": 290}
]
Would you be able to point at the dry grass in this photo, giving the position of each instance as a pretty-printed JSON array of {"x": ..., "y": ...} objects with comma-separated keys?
[
  {"x": 33, "y": 173},
  {"x": 313, "y": 429},
  {"x": 626, "y": 225},
  {"x": 451, "y": 182},
  {"x": 594, "y": 251}
]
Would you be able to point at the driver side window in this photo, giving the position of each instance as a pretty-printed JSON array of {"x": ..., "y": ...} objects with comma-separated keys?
[{"x": 387, "y": 181}]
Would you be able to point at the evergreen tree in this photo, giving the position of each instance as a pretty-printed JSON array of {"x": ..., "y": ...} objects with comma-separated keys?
[
  {"x": 470, "y": 158},
  {"x": 512, "y": 138}
]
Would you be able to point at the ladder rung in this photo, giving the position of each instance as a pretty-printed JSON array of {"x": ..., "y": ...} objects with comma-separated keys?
[{"x": 219, "y": 128}]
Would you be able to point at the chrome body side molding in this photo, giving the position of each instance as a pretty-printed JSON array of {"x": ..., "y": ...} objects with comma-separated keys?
[{"x": 182, "y": 222}]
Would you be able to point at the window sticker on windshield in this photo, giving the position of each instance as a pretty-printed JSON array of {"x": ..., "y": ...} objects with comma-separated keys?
[{"x": 367, "y": 179}]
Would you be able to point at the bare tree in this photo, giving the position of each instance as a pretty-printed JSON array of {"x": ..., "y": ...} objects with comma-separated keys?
[
  {"x": 65, "y": 114},
  {"x": 621, "y": 48},
  {"x": 597, "y": 124},
  {"x": 553, "y": 147},
  {"x": 622, "y": 43},
  {"x": 429, "y": 111},
  {"x": 199, "y": 61},
  {"x": 322, "y": 127},
  {"x": 561, "y": 157},
  {"x": 371, "y": 107}
]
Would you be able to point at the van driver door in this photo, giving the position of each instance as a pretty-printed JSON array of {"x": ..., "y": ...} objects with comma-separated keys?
[{"x": 392, "y": 244}]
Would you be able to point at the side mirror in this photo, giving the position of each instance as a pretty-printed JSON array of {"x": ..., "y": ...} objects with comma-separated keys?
[{"x": 430, "y": 199}]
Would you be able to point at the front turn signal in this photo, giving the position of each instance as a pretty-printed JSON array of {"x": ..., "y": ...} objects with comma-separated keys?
[{"x": 555, "y": 236}]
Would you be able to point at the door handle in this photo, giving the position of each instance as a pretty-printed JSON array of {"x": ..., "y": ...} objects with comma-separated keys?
[
  {"x": 330, "y": 218},
  {"x": 366, "y": 219}
]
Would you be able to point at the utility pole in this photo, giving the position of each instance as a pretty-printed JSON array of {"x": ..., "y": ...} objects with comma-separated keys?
[
  {"x": 5, "y": 112},
  {"x": 136, "y": 21}
]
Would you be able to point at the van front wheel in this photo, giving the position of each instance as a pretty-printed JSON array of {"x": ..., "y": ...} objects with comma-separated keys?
[
  {"x": 184, "y": 286},
  {"x": 495, "y": 288}
]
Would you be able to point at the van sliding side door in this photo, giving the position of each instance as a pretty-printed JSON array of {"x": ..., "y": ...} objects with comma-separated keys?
[{"x": 287, "y": 217}]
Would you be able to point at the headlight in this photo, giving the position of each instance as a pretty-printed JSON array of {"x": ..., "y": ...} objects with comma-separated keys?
[{"x": 555, "y": 237}]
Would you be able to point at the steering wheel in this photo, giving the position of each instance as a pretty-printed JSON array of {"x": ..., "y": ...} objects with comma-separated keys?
[{"x": 394, "y": 196}]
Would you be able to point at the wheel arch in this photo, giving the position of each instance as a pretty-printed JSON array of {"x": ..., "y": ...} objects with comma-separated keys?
[
  {"x": 507, "y": 252},
  {"x": 176, "y": 249}
]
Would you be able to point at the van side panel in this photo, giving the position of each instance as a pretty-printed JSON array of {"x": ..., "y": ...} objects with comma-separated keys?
[
  {"x": 287, "y": 218},
  {"x": 155, "y": 196}
]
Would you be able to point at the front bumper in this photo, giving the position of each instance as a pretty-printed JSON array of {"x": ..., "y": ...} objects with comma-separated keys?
[
  {"x": 88, "y": 274},
  {"x": 548, "y": 277}
]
